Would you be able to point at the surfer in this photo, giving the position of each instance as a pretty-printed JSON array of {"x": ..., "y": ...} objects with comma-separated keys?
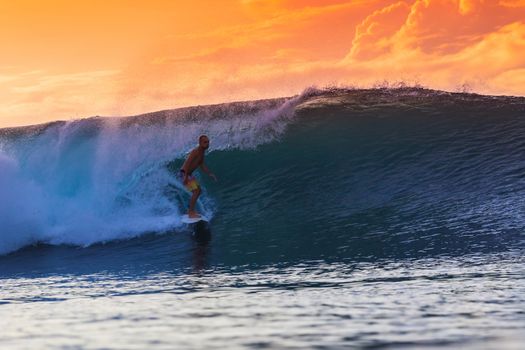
[{"x": 195, "y": 159}]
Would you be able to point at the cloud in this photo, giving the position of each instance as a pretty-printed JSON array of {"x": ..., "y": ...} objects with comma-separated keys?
[
  {"x": 496, "y": 52},
  {"x": 447, "y": 26},
  {"x": 509, "y": 82},
  {"x": 483, "y": 65},
  {"x": 282, "y": 46},
  {"x": 282, "y": 41},
  {"x": 292, "y": 5},
  {"x": 37, "y": 96},
  {"x": 439, "y": 43},
  {"x": 442, "y": 44},
  {"x": 44, "y": 82},
  {"x": 512, "y": 3},
  {"x": 372, "y": 36},
  {"x": 432, "y": 26}
]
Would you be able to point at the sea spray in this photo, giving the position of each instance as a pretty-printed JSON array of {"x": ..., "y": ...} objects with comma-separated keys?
[
  {"x": 21, "y": 206},
  {"x": 100, "y": 179}
]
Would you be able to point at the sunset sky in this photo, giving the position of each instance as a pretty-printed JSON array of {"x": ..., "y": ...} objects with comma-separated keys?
[{"x": 63, "y": 59}]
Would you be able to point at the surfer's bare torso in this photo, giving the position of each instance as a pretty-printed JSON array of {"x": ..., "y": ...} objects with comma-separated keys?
[{"x": 195, "y": 159}]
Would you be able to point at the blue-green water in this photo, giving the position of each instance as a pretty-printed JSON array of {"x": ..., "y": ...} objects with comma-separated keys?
[{"x": 350, "y": 218}]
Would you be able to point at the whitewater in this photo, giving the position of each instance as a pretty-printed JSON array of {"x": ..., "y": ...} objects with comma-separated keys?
[
  {"x": 99, "y": 179},
  {"x": 355, "y": 218}
]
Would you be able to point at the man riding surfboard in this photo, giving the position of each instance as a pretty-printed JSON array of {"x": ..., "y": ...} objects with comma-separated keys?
[{"x": 195, "y": 159}]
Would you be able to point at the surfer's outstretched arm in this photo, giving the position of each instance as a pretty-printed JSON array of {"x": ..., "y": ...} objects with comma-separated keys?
[{"x": 207, "y": 171}]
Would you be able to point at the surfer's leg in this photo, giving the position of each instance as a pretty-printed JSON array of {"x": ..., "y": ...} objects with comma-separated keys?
[{"x": 195, "y": 195}]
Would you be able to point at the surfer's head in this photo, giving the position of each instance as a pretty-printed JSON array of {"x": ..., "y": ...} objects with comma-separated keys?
[{"x": 204, "y": 141}]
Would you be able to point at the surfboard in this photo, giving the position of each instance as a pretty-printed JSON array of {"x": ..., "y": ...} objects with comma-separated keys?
[{"x": 187, "y": 220}]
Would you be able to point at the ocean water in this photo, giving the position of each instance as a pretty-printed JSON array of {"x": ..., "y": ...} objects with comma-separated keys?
[{"x": 382, "y": 218}]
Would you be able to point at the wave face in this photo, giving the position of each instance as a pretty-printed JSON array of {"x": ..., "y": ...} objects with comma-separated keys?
[{"x": 371, "y": 173}]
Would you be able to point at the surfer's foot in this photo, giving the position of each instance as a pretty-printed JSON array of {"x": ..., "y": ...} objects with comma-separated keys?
[{"x": 193, "y": 215}]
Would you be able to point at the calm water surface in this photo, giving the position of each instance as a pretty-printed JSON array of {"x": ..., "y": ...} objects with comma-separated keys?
[{"x": 475, "y": 301}]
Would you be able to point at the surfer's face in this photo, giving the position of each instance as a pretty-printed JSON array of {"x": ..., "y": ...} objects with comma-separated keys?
[{"x": 204, "y": 143}]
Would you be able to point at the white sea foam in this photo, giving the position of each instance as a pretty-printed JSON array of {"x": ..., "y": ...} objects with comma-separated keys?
[{"x": 96, "y": 180}]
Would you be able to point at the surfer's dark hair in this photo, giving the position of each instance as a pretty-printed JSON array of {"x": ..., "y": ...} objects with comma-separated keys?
[{"x": 201, "y": 137}]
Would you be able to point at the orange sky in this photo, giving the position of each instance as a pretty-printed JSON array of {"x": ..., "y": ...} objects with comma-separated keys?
[{"x": 65, "y": 59}]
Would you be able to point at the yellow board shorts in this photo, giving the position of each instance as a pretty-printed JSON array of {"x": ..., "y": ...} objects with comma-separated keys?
[{"x": 192, "y": 183}]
